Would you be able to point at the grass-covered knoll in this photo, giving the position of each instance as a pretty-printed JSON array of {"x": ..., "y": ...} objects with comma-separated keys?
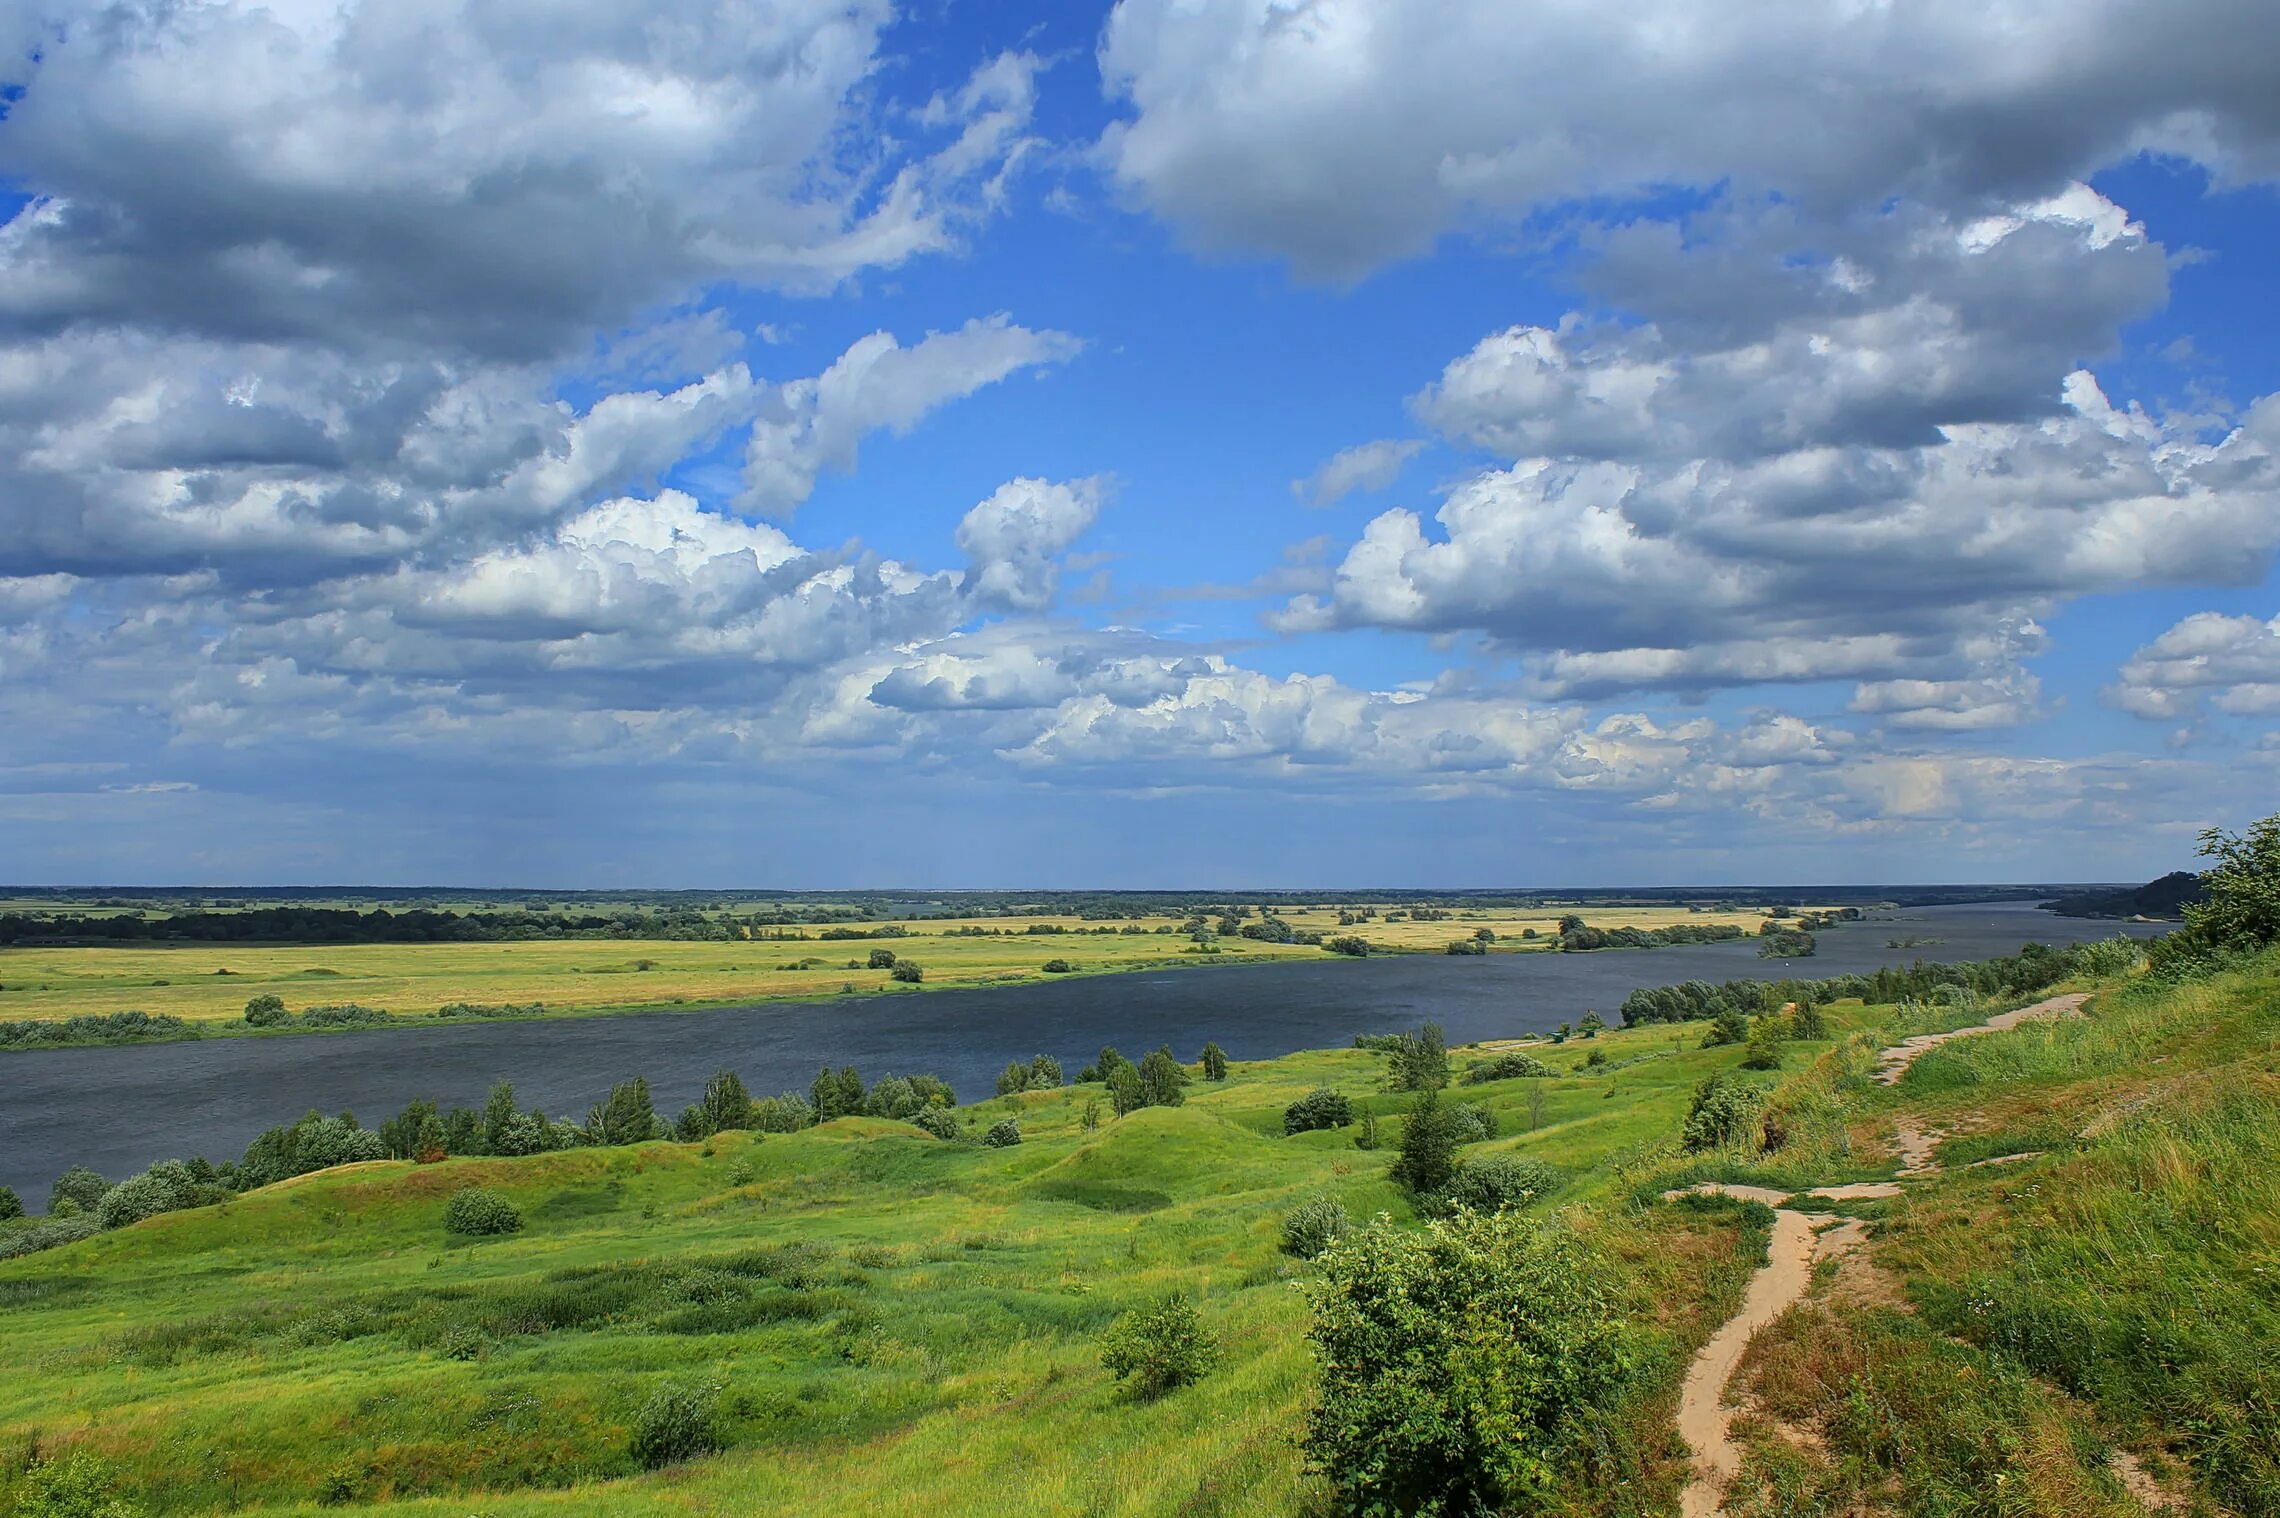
[{"x": 867, "y": 1317}]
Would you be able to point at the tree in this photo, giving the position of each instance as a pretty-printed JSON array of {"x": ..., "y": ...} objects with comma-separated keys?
[
  {"x": 2239, "y": 910},
  {"x": 1159, "y": 1348},
  {"x": 1730, "y": 1026},
  {"x": 1214, "y": 1061},
  {"x": 626, "y": 1118},
  {"x": 1764, "y": 1051},
  {"x": 1161, "y": 1080},
  {"x": 1013, "y": 1078},
  {"x": 1320, "y": 1108},
  {"x": 11, "y": 1205},
  {"x": 1090, "y": 1116},
  {"x": 1124, "y": 1090},
  {"x": 1808, "y": 1022},
  {"x": 1366, "y": 1137},
  {"x": 267, "y": 1010},
  {"x": 1428, "y": 1147},
  {"x": 835, "y": 1093},
  {"x": 1421, "y": 1060},
  {"x": 1348, "y": 944},
  {"x": 907, "y": 973},
  {"x": 1591, "y": 1025},
  {"x": 1044, "y": 1073},
  {"x": 725, "y": 1105},
  {"x": 882, "y": 959},
  {"x": 1455, "y": 1361},
  {"x": 416, "y": 1133}
]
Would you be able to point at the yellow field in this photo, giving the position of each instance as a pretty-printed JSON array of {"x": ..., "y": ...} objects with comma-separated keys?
[{"x": 599, "y": 974}]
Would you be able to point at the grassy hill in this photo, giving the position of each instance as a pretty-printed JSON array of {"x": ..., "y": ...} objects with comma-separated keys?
[{"x": 899, "y": 1324}]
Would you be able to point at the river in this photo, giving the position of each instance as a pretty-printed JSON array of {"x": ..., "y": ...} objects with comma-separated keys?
[{"x": 121, "y": 1109}]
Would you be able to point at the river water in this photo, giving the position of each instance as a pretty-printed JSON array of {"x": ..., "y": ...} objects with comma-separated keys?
[{"x": 120, "y": 1109}]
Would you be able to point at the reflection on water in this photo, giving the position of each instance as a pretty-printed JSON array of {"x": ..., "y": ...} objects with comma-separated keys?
[{"x": 122, "y": 1109}]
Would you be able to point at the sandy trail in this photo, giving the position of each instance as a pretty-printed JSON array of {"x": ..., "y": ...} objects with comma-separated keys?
[
  {"x": 1800, "y": 1240},
  {"x": 1703, "y": 1419},
  {"x": 1893, "y": 1063}
]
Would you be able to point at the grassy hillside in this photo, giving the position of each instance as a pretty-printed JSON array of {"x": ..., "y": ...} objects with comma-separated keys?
[{"x": 899, "y": 1324}]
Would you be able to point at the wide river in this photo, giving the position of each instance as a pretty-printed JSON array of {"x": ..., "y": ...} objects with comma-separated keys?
[{"x": 120, "y": 1109}]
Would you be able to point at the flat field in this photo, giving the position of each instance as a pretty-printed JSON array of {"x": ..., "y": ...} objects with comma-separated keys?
[{"x": 593, "y": 975}]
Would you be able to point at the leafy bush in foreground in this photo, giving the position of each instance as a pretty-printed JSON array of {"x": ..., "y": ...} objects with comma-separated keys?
[
  {"x": 1319, "y": 1108},
  {"x": 1453, "y": 1361},
  {"x": 1003, "y": 1134},
  {"x": 678, "y": 1423},
  {"x": 939, "y": 1122},
  {"x": 1313, "y": 1226},
  {"x": 78, "y": 1486},
  {"x": 1159, "y": 1348},
  {"x": 476, "y": 1213}
]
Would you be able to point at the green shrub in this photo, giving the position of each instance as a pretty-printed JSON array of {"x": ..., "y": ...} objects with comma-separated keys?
[
  {"x": 1473, "y": 1122},
  {"x": 1003, "y": 1134},
  {"x": 1808, "y": 1022},
  {"x": 1505, "y": 1067},
  {"x": 1455, "y": 1361},
  {"x": 1313, "y": 1226},
  {"x": 881, "y": 959},
  {"x": 1320, "y": 1108},
  {"x": 476, "y": 1213},
  {"x": 56, "y": 1230},
  {"x": 939, "y": 1122},
  {"x": 906, "y": 972},
  {"x": 1428, "y": 1148},
  {"x": 463, "y": 1342},
  {"x": 267, "y": 1011},
  {"x": 1057, "y": 967},
  {"x": 78, "y": 1486},
  {"x": 164, "y": 1187},
  {"x": 1498, "y": 1183},
  {"x": 679, "y": 1422},
  {"x": 11, "y": 1205},
  {"x": 1725, "y": 1113},
  {"x": 1764, "y": 1051},
  {"x": 1159, "y": 1348},
  {"x": 81, "y": 1187}
]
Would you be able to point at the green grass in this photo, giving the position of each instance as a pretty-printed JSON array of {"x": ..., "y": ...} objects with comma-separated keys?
[{"x": 903, "y": 1325}]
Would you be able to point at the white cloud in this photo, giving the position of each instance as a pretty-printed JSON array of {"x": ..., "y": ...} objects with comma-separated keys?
[
  {"x": 1016, "y": 536},
  {"x": 1364, "y": 467},
  {"x": 1345, "y": 133},
  {"x": 810, "y": 425},
  {"x": 2230, "y": 664}
]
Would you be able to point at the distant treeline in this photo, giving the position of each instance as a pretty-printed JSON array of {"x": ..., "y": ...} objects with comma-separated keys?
[
  {"x": 339, "y": 925},
  {"x": 2165, "y": 899}
]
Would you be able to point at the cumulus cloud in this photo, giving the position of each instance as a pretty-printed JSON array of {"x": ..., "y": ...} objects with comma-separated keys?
[
  {"x": 1014, "y": 538},
  {"x": 2208, "y": 660},
  {"x": 810, "y": 425},
  {"x": 1342, "y": 134},
  {"x": 1881, "y": 458},
  {"x": 1365, "y": 467}
]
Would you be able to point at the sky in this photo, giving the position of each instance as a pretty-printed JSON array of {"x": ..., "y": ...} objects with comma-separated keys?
[{"x": 1184, "y": 443}]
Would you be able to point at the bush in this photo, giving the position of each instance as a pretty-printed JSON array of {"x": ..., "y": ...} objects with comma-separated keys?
[
  {"x": 1159, "y": 1348},
  {"x": 1505, "y": 1067},
  {"x": 79, "y": 1486},
  {"x": 477, "y": 1213},
  {"x": 881, "y": 959},
  {"x": 1421, "y": 1060},
  {"x": 1321, "y": 1108},
  {"x": 56, "y": 1230},
  {"x": 1003, "y": 1134},
  {"x": 11, "y": 1205},
  {"x": 1348, "y": 944},
  {"x": 79, "y": 1186},
  {"x": 939, "y": 1122},
  {"x": 906, "y": 972},
  {"x": 1313, "y": 1226},
  {"x": 1455, "y": 1362},
  {"x": 1764, "y": 1052},
  {"x": 1724, "y": 1114},
  {"x": 162, "y": 1188},
  {"x": 1730, "y": 1026},
  {"x": 1498, "y": 1183},
  {"x": 267, "y": 1011},
  {"x": 1473, "y": 1122},
  {"x": 315, "y": 1142},
  {"x": 680, "y": 1422},
  {"x": 1057, "y": 967}
]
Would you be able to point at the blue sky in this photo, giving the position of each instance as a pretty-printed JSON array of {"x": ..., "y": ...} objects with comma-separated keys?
[{"x": 1208, "y": 443}]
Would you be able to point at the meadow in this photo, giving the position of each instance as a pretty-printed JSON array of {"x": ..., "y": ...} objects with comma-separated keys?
[
  {"x": 211, "y": 983},
  {"x": 901, "y": 1324}
]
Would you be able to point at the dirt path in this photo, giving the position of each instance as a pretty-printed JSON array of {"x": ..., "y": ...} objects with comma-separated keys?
[
  {"x": 1800, "y": 1240},
  {"x": 1703, "y": 1419},
  {"x": 1893, "y": 1063}
]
